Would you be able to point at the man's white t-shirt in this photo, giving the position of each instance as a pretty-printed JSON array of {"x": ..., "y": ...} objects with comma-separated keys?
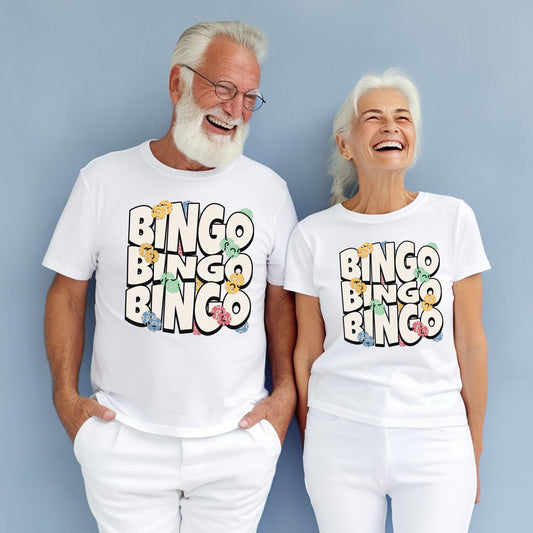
[
  {"x": 181, "y": 260},
  {"x": 385, "y": 289}
]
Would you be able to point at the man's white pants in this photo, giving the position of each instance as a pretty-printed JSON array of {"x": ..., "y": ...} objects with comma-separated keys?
[
  {"x": 429, "y": 474},
  {"x": 138, "y": 482}
]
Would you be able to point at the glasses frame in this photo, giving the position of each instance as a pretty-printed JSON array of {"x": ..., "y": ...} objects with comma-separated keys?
[{"x": 225, "y": 85}]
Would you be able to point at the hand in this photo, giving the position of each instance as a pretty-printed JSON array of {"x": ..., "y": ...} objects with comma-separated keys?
[
  {"x": 74, "y": 410},
  {"x": 277, "y": 408}
]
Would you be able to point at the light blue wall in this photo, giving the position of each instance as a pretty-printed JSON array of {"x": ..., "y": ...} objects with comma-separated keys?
[{"x": 79, "y": 79}]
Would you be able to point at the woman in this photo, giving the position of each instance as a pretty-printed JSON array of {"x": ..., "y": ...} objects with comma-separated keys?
[{"x": 391, "y": 353}]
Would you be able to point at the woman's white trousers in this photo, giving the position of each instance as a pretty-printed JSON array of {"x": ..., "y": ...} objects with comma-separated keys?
[{"x": 350, "y": 467}]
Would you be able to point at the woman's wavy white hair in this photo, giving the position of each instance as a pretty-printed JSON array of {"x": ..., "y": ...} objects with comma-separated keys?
[
  {"x": 343, "y": 172},
  {"x": 194, "y": 41}
]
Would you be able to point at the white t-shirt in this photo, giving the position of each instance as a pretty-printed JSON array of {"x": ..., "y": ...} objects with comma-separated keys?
[
  {"x": 182, "y": 260},
  {"x": 385, "y": 289}
]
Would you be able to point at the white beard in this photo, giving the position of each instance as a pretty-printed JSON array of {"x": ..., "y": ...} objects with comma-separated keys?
[{"x": 206, "y": 148}]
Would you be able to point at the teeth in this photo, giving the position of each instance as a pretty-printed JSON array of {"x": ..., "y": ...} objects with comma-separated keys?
[
  {"x": 388, "y": 144},
  {"x": 219, "y": 122}
]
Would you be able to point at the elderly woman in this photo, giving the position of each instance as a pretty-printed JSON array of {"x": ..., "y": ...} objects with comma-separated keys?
[{"x": 391, "y": 358}]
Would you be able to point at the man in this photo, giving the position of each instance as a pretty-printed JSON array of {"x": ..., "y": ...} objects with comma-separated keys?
[{"x": 187, "y": 238}]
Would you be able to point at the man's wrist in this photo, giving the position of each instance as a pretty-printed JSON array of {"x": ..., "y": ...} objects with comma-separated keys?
[
  {"x": 65, "y": 394},
  {"x": 285, "y": 393}
]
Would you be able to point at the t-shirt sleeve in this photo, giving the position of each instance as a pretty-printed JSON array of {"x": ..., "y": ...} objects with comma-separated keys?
[
  {"x": 299, "y": 274},
  {"x": 470, "y": 257},
  {"x": 72, "y": 250},
  {"x": 284, "y": 223}
]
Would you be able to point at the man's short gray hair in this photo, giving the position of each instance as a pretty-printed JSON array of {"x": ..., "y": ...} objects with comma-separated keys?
[
  {"x": 343, "y": 172},
  {"x": 194, "y": 41}
]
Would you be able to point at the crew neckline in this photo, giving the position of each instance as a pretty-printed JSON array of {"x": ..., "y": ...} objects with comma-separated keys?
[
  {"x": 385, "y": 217},
  {"x": 197, "y": 175}
]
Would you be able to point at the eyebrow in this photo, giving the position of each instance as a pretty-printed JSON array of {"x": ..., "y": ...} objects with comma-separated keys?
[{"x": 379, "y": 111}]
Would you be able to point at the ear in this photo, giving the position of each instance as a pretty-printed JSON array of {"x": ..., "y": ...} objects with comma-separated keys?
[
  {"x": 174, "y": 87},
  {"x": 344, "y": 150}
]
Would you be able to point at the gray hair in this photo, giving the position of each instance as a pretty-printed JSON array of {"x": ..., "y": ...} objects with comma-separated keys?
[
  {"x": 342, "y": 171},
  {"x": 194, "y": 41}
]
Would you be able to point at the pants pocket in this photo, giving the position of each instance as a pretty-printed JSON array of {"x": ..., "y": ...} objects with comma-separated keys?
[
  {"x": 271, "y": 432},
  {"x": 81, "y": 435}
]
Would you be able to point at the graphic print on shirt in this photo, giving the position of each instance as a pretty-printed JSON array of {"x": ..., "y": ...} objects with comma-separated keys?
[
  {"x": 390, "y": 295},
  {"x": 187, "y": 268}
]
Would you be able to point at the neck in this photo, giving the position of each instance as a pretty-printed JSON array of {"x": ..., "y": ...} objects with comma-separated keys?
[
  {"x": 380, "y": 194},
  {"x": 166, "y": 151}
]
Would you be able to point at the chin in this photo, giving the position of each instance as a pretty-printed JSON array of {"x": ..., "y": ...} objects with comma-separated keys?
[{"x": 207, "y": 148}]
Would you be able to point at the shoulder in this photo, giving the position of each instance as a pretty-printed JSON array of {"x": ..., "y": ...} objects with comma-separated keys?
[
  {"x": 257, "y": 171},
  {"x": 446, "y": 205},
  {"x": 453, "y": 213},
  {"x": 444, "y": 200},
  {"x": 317, "y": 227},
  {"x": 116, "y": 162},
  {"x": 314, "y": 231},
  {"x": 320, "y": 219}
]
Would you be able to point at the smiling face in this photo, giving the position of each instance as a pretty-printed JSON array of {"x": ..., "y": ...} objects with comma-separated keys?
[
  {"x": 225, "y": 60},
  {"x": 207, "y": 129},
  {"x": 382, "y": 136}
]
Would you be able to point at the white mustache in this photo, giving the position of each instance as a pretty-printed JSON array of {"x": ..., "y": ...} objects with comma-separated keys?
[{"x": 224, "y": 117}]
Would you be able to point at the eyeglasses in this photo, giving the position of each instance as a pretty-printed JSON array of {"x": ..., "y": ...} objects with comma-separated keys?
[{"x": 226, "y": 90}]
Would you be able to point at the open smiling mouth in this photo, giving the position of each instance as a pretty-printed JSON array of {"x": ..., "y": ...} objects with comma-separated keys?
[
  {"x": 220, "y": 124},
  {"x": 388, "y": 145}
]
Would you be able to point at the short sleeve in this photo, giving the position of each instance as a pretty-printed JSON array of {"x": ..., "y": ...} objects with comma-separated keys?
[
  {"x": 470, "y": 257},
  {"x": 72, "y": 250},
  {"x": 284, "y": 223},
  {"x": 299, "y": 273}
]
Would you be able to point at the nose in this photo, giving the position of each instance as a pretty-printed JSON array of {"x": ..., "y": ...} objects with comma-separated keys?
[
  {"x": 390, "y": 126},
  {"x": 234, "y": 107}
]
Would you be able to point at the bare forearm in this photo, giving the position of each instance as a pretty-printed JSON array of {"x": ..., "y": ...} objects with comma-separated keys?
[
  {"x": 302, "y": 372},
  {"x": 471, "y": 347},
  {"x": 280, "y": 324},
  {"x": 64, "y": 333},
  {"x": 309, "y": 346},
  {"x": 474, "y": 392}
]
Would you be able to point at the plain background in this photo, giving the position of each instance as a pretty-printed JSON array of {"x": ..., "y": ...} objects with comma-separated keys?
[{"x": 79, "y": 79}]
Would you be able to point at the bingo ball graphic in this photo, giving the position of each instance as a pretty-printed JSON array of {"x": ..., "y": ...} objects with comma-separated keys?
[
  {"x": 243, "y": 328},
  {"x": 173, "y": 285},
  {"x": 224, "y": 318}
]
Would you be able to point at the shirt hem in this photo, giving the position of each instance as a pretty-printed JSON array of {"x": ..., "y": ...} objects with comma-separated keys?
[
  {"x": 392, "y": 422},
  {"x": 478, "y": 269},
  {"x": 178, "y": 431},
  {"x": 300, "y": 289},
  {"x": 66, "y": 271}
]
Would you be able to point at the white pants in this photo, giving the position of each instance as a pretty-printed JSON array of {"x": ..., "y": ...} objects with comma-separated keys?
[
  {"x": 138, "y": 482},
  {"x": 429, "y": 474}
]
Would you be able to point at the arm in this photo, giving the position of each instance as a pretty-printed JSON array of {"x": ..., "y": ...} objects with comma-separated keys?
[
  {"x": 471, "y": 347},
  {"x": 309, "y": 346},
  {"x": 64, "y": 332},
  {"x": 280, "y": 324}
]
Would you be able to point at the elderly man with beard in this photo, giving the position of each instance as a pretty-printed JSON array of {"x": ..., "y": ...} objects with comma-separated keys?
[{"x": 187, "y": 239}]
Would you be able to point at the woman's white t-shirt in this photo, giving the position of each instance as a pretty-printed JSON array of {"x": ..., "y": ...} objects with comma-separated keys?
[{"x": 385, "y": 289}]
